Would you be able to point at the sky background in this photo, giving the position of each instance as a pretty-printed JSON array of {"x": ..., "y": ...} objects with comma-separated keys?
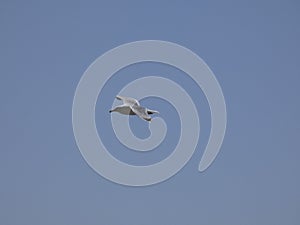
[{"x": 251, "y": 46}]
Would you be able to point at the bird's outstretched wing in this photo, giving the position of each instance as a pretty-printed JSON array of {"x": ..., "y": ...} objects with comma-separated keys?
[
  {"x": 127, "y": 100},
  {"x": 150, "y": 111},
  {"x": 140, "y": 111}
]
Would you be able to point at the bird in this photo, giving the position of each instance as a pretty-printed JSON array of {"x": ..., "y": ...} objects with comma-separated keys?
[{"x": 132, "y": 106}]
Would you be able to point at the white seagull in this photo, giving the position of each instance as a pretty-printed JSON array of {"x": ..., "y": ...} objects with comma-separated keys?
[{"x": 131, "y": 106}]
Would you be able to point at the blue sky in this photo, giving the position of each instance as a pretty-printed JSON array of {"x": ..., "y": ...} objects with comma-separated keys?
[{"x": 252, "y": 48}]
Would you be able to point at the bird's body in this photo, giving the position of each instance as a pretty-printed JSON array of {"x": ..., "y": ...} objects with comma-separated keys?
[{"x": 131, "y": 106}]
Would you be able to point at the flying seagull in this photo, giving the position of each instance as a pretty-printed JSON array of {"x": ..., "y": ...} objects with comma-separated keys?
[{"x": 131, "y": 106}]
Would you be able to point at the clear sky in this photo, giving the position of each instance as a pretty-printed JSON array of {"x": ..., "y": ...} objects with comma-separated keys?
[{"x": 251, "y": 46}]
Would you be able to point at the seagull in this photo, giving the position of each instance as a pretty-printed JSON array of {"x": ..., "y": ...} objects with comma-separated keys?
[{"x": 131, "y": 106}]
